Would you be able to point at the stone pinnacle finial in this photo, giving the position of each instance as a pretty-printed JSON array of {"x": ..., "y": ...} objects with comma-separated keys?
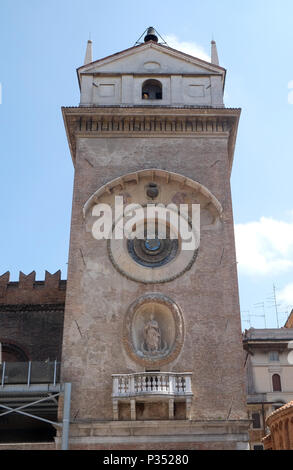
[
  {"x": 89, "y": 53},
  {"x": 214, "y": 53}
]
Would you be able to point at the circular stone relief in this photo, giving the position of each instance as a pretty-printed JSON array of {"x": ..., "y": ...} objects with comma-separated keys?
[
  {"x": 149, "y": 259},
  {"x": 153, "y": 330}
]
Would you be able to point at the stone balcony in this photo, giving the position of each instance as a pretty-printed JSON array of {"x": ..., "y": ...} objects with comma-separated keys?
[{"x": 150, "y": 387}]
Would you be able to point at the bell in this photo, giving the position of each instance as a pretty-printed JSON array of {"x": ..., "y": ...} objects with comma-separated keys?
[{"x": 151, "y": 35}]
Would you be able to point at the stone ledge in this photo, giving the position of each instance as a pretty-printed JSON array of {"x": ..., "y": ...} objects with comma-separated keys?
[
  {"x": 145, "y": 435},
  {"x": 159, "y": 428},
  {"x": 142, "y": 122},
  {"x": 28, "y": 446}
]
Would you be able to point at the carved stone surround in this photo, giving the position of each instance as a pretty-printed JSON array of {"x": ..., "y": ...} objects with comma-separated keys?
[{"x": 170, "y": 319}]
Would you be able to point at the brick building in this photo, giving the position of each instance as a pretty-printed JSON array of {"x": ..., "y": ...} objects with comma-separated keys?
[
  {"x": 31, "y": 317},
  {"x": 152, "y": 337}
]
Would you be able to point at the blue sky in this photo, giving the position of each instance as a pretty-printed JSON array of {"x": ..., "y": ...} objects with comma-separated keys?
[{"x": 43, "y": 42}]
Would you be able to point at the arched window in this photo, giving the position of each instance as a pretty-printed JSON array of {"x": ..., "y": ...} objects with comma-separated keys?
[
  {"x": 152, "y": 90},
  {"x": 13, "y": 353},
  {"x": 276, "y": 379}
]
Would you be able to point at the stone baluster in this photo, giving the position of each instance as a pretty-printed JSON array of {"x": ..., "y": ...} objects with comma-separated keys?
[
  {"x": 143, "y": 384},
  {"x": 182, "y": 383},
  {"x": 177, "y": 384},
  {"x": 136, "y": 383},
  {"x": 169, "y": 384},
  {"x": 125, "y": 385},
  {"x": 160, "y": 383},
  {"x": 151, "y": 383},
  {"x": 139, "y": 384},
  {"x": 172, "y": 384},
  {"x": 132, "y": 380},
  {"x": 120, "y": 385},
  {"x": 166, "y": 383}
]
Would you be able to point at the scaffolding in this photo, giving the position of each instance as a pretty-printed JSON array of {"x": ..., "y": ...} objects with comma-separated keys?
[{"x": 34, "y": 383}]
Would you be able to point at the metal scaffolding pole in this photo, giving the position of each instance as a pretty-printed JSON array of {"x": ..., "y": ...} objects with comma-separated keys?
[
  {"x": 30, "y": 387},
  {"x": 66, "y": 416}
]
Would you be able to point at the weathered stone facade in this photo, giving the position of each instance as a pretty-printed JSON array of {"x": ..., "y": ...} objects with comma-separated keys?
[{"x": 184, "y": 142}]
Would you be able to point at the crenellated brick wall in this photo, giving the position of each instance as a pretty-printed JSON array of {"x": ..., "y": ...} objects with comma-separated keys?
[
  {"x": 31, "y": 317},
  {"x": 29, "y": 291}
]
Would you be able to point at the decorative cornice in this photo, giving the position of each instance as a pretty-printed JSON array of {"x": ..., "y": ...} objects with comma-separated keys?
[{"x": 101, "y": 122}]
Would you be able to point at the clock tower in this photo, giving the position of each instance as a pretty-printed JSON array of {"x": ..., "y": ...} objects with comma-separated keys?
[{"x": 152, "y": 336}]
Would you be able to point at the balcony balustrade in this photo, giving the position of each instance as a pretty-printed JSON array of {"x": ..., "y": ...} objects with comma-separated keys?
[{"x": 150, "y": 386}]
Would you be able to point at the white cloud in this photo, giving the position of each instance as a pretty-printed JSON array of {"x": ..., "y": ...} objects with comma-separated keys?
[
  {"x": 190, "y": 48},
  {"x": 286, "y": 295},
  {"x": 265, "y": 246}
]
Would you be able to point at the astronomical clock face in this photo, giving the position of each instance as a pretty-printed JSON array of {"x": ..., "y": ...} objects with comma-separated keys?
[
  {"x": 155, "y": 259},
  {"x": 152, "y": 252},
  {"x": 153, "y": 327},
  {"x": 151, "y": 260}
]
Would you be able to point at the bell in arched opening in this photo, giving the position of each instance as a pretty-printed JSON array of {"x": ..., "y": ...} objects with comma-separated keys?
[{"x": 152, "y": 90}]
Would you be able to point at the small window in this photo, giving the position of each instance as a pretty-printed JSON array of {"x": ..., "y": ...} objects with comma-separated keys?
[
  {"x": 274, "y": 356},
  {"x": 276, "y": 379},
  {"x": 256, "y": 421},
  {"x": 152, "y": 90}
]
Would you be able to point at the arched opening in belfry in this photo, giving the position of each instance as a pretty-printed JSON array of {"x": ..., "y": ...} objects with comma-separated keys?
[{"x": 152, "y": 90}]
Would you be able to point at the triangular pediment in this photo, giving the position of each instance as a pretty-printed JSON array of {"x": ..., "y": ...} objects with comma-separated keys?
[{"x": 151, "y": 58}]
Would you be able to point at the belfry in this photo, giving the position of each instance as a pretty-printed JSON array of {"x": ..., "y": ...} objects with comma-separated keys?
[{"x": 152, "y": 336}]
